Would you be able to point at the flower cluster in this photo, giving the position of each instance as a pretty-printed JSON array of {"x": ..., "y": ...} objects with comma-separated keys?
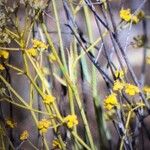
[
  {"x": 131, "y": 89},
  {"x": 24, "y": 135},
  {"x": 43, "y": 125},
  {"x": 48, "y": 99},
  {"x": 33, "y": 52},
  {"x": 37, "y": 46},
  {"x": 2, "y": 67},
  {"x": 119, "y": 74},
  {"x": 71, "y": 121},
  {"x": 10, "y": 123},
  {"x": 146, "y": 89},
  {"x": 126, "y": 15},
  {"x": 110, "y": 102},
  {"x": 56, "y": 144},
  {"x": 148, "y": 59},
  {"x": 118, "y": 85},
  {"x": 4, "y": 54}
]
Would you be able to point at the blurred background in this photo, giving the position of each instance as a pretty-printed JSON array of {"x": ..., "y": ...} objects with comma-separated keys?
[{"x": 126, "y": 33}]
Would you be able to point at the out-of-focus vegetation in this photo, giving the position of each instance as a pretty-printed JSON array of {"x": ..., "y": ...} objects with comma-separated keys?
[{"x": 55, "y": 76}]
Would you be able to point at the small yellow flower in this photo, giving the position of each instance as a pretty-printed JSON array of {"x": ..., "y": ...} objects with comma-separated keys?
[
  {"x": 110, "y": 102},
  {"x": 39, "y": 44},
  {"x": 135, "y": 19},
  {"x": 118, "y": 85},
  {"x": 32, "y": 51},
  {"x": 49, "y": 99},
  {"x": 71, "y": 121},
  {"x": 119, "y": 74},
  {"x": 131, "y": 89},
  {"x": 43, "y": 125},
  {"x": 1, "y": 67},
  {"x": 148, "y": 59},
  {"x": 56, "y": 144},
  {"x": 4, "y": 54},
  {"x": 125, "y": 14},
  {"x": 10, "y": 123},
  {"x": 24, "y": 135},
  {"x": 146, "y": 89},
  {"x": 108, "y": 115}
]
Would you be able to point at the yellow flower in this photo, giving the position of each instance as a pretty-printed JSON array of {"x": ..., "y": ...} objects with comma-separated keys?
[
  {"x": 71, "y": 120},
  {"x": 10, "y": 123},
  {"x": 43, "y": 125},
  {"x": 39, "y": 44},
  {"x": 146, "y": 89},
  {"x": 24, "y": 135},
  {"x": 118, "y": 85},
  {"x": 4, "y": 54},
  {"x": 110, "y": 102},
  {"x": 49, "y": 99},
  {"x": 1, "y": 67},
  {"x": 108, "y": 115},
  {"x": 148, "y": 59},
  {"x": 119, "y": 74},
  {"x": 125, "y": 14},
  {"x": 131, "y": 89},
  {"x": 32, "y": 51},
  {"x": 56, "y": 144},
  {"x": 135, "y": 19}
]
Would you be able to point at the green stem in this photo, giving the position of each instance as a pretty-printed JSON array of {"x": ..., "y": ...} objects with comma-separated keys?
[
  {"x": 59, "y": 34},
  {"x": 81, "y": 141},
  {"x": 72, "y": 86}
]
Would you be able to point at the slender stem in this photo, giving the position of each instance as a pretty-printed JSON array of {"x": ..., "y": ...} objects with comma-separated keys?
[
  {"x": 59, "y": 34},
  {"x": 72, "y": 86}
]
